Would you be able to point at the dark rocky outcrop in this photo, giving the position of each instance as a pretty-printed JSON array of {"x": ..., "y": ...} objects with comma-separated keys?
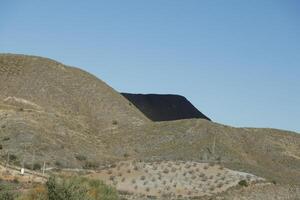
[{"x": 164, "y": 107}]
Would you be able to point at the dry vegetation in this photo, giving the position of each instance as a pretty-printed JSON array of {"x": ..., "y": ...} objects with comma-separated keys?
[
  {"x": 64, "y": 117},
  {"x": 172, "y": 178}
]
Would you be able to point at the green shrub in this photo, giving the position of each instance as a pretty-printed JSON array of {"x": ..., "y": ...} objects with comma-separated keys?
[
  {"x": 7, "y": 195},
  {"x": 12, "y": 157},
  {"x": 243, "y": 183},
  {"x": 58, "y": 163},
  {"x": 37, "y": 166},
  {"x": 66, "y": 189},
  {"x": 77, "y": 188}
]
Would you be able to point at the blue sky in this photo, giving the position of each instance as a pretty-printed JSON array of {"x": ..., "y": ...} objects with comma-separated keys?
[{"x": 236, "y": 61}]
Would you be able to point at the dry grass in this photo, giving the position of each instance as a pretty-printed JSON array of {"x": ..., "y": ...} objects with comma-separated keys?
[{"x": 186, "y": 179}]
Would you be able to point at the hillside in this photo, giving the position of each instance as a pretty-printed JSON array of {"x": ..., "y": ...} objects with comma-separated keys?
[
  {"x": 52, "y": 111},
  {"x": 46, "y": 85},
  {"x": 159, "y": 107},
  {"x": 68, "y": 118}
]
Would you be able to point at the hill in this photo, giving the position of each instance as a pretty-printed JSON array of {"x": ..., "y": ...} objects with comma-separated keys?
[
  {"x": 66, "y": 118},
  {"x": 52, "y": 111},
  {"x": 164, "y": 107}
]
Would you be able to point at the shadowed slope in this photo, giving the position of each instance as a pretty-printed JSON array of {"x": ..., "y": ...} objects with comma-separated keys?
[{"x": 160, "y": 107}]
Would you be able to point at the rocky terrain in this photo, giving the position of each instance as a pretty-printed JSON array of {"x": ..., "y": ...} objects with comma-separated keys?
[{"x": 68, "y": 119}]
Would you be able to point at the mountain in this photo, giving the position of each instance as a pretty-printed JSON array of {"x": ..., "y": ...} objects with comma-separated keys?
[{"x": 164, "y": 107}]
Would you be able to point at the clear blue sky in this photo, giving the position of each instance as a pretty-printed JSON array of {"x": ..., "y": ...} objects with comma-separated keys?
[{"x": 236, "y": 61}]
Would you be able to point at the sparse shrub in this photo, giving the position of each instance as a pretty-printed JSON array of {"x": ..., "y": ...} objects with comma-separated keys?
[
  {"x": 123, "y": 179},
  {"x": 16, "y": 180},
  {"x": 147, "y": 189},
  {"x": 1, "y": 147},
  {"x": 113, "y": 165},
  {"x": 220, "y": 185},
  {"x": 166, "y": 171},
  {"x": 80, "y": 157},
  {"x": 187, "y": 166},
  {"x": 91, "y": 165},
  {"x": 21, "y": 109},
  {"x": 6, "y": 138},
  {"x": 211, "y": 164},
  {"x": 128, "y": 171},
  {"x": 211, "y": 188},
  {"x": 58, "y": 163},
  {"x": 115, "y": 122},
  {"x": 111, "y": 178},
  {"x": 12, "y": 157},
  {"x": 37, "y": 166},
  {"x": 243, "y": 183},
  {"x": 143, "y": 178},
  {"x": 126, "y": 155},
  {"x": 274, "y": 182},
  {"x": 205, "y": 167},
  {"x": 3, "y": 126}
]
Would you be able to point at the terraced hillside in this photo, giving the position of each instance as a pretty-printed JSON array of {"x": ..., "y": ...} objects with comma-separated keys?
[{"x": 173, "y": 178}]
